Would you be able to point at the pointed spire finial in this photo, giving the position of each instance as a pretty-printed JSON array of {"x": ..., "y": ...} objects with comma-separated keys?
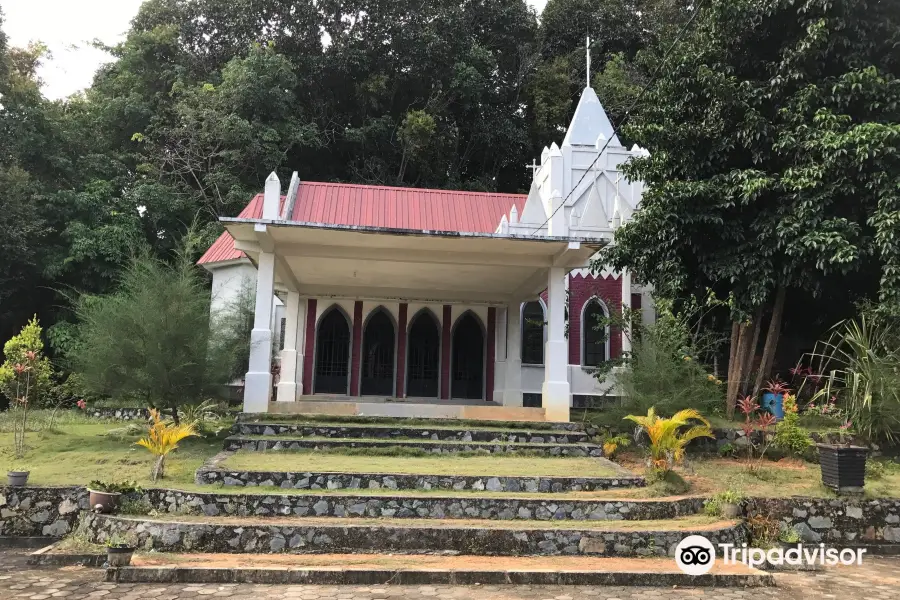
[{"x": 587, "y": 48}]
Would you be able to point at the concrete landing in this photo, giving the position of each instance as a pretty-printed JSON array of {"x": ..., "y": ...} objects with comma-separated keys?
[
  {"x": 406, "y": 408},
  {"x": 417, "y": 569}
]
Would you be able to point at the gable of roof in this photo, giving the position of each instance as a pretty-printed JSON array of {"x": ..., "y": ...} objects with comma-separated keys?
[{"x": 385, "y": 207}]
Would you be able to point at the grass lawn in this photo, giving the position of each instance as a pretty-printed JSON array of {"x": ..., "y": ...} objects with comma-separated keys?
[
  {"x": 787, "y": 477},
  {"x": 481, "y": 466},
  {"x": 80, "y": 450}
]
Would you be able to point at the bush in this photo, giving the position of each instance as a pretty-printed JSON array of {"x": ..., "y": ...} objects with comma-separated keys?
[
  {"x": 151, "y": 339},
  {"x": 790, "y": 438},
  {"x": 665, "y": 368},
  {"x": 668, "y": 483},
  {"x": 861, "y": 364}
]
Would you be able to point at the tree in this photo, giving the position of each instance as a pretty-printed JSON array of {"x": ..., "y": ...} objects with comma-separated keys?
[
  {"x": 773, "y": 167},
  {"x": 151, "y": 339}
]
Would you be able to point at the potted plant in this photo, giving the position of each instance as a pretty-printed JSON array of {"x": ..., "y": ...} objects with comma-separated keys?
[
  {"x": 104, "y": 496},
  {"x": 119, "y": 552},
  {"x": 17, "y": 476},
  {"x": 727, "y": 504},
  {"x": 789, "y": 538},
  {"x": 843, "y": 464},
  {"x": 773, "y": 399}
]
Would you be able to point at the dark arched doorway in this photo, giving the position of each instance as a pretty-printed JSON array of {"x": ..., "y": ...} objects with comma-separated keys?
[
  {"x": 332, "y": 353},
  {"x": 468, "y": 359},
  {"x": 423, "y": 363},
  {"x": 378, "y": 356}
]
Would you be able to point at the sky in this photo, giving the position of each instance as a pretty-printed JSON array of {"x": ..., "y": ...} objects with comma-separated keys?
[{"x": 67, "y": 27}]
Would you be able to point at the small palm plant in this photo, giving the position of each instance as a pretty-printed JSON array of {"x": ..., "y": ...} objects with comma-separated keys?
[
  {"x": 669, "y": 438},
  {"x": 162, "y": 438}
]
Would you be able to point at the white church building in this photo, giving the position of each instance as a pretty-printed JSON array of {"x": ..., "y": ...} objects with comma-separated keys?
[{"x": 389, "y": 301}]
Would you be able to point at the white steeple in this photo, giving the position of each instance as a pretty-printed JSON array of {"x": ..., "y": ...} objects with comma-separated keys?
[{"x": 589, "y": 123}]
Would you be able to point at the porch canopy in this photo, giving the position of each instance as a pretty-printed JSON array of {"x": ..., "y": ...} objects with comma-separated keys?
[
  {"x": 324, "y": 260},
  {"x": 395, "y": 244}
]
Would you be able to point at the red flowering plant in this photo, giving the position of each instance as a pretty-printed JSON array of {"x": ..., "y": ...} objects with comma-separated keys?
[
  {"x": 807, "y": 382},
  {"x": 24, "y": 375},
  {"x": 755, "y": 425}
]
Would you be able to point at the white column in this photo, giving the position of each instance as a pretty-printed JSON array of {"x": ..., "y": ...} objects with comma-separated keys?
[
  {"x": 258, "y": 383},
  {"x": 512, "y": 392},
  {"x": 556, "y": 390},
  {"x": 626, "y": 304},
  {"x": 287, "y": 385}
]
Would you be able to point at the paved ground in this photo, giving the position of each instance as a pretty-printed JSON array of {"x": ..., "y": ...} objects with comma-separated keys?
[{"x": 877, "y": 579}]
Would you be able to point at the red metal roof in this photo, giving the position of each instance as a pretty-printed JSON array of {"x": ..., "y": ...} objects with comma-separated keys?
[{"x": 382, "y": 206}]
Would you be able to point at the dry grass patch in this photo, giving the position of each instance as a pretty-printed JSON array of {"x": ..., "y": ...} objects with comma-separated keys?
[{"x": 687, "y": 523}]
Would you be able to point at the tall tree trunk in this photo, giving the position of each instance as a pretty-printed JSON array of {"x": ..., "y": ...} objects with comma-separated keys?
[
  {"x": 772, "y": 336},
  {"x": 754, "y": 341},
  {"x": 736, "y": 373},
  {"x": 730, "y": 387}
]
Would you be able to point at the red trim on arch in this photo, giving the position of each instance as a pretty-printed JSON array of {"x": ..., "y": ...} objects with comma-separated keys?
[
  {"x": 355, "y": 350},
  {"x": 445, "y": 352},
  {"x": 310, "y": 347},
  {"x": 491, "y": 352},
  {"x": 401, "y": 350}
]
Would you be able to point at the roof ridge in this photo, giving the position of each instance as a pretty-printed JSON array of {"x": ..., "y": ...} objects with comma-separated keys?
[{"x": 414, "y": 189}]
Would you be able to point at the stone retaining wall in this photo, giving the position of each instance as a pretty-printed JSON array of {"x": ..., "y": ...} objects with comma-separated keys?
[
  {"x": 834, "y": 520},
  {"x": 317, "y": 505},
  {"x": 424, "y": 433},
  {"x": 336, "y": 481},
  {"x": 121, "y": 414},
  {"x": 170, "y": 536},
  {"x": 40, "y": 511},
  {"x": 273, "y": 443}
]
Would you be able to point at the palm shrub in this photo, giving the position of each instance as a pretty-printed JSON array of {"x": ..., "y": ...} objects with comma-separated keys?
[
  {"x": 162, "y": 438},
  {"x": 861, "y": 363},
  {"x": 669, "y": 437}
]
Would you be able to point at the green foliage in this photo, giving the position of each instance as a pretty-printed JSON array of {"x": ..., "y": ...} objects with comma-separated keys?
[
  {"x": 612, "y": 442},
  {"x": 665, "y": 367},
  {"x": 114, "y": 487},
  {"x": 727, "y": 450},
  {"x": 15, "y": 351},
  {"x": 774, "y": 157},
  {"x": 789, "y": 535},
  {"x": 790, "y": 437},
  {"x": 713, "y": 506},
  {"x": 151, "y": 338},
  {"x": 861, "y": 363}
]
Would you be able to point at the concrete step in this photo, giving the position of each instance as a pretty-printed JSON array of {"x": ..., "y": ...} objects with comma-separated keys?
[
  {"x": 436, "y": 433},
  {"x": 288, "y": 412},
  {"x": 318, "y": 535},
  {"x": 403, "y": 569},
  {"x": 446, "y": 505},
  {"x": 268, "y": 442}
]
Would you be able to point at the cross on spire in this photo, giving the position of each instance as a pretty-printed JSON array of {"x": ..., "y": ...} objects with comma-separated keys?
[
  {"x": 587, "y": 49},
  {"x": 533, "y": 166}
]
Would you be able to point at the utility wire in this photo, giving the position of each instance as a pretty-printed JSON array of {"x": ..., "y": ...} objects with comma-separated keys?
[{"x": 653, "y": 79}]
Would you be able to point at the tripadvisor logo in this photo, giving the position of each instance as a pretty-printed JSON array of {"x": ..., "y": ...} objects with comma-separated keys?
[{"x": 696, "y": 555}]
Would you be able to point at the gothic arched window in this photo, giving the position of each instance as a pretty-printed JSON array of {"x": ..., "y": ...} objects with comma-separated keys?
[
  {"x": 532, "y": 333},
  {"x": 594, "y": 337}
]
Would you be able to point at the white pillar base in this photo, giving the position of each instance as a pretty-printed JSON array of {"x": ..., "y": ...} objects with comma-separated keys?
[
  {"x": 556, "y": 398},
  {"x": 258, "y": 381},
  {"x": 257, "y": 387},
  {"x": 288, "y": 388},
  {"x": 512, "y": 395}
]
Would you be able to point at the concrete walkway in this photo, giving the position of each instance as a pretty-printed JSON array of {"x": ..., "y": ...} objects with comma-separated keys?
[{"x": 877, "y": 579}]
